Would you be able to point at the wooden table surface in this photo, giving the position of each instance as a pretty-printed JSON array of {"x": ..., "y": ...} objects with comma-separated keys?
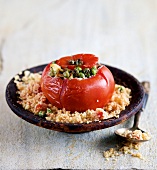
[{"x": 123, "y": 33}]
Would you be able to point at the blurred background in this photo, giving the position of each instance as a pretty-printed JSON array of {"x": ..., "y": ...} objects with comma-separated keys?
[
  {"x": 117, "y": 31},
  {"x": 122, "y": 33}
]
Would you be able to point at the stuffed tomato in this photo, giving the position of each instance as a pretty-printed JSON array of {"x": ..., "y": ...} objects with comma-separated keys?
[{"x": 77, "y": 83}]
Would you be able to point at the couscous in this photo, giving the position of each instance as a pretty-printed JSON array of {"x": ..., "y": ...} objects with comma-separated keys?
[
  {"x": 136, "y": 134},
  {"x": 32, "y": 98}
]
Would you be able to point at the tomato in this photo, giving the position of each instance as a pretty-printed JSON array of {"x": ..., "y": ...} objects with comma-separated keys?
[
  {"x": 78, "y": 94},
  {"x": 89, "y": 60}
]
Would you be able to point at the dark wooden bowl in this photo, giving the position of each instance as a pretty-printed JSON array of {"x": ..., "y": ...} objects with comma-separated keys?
[{"x": 121, "y": 77}]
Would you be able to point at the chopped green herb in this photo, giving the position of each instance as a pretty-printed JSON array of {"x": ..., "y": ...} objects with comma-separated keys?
[
  {"x": 49, "y": 110},
  {"x": 78, "y": 68},
  {"x": 66, "y": 74},
  {"x": 94, "y": 70},
  {"x": 76, "y": 71},
  {"x": 86, "y": 72},
  {"x": 120, "y": 88},
  {"x": 81, "y": 75},
  {"x": 76, "y": 62},
  {"x": 41, "y": 113},
  {"x": 52, "y": 72}
]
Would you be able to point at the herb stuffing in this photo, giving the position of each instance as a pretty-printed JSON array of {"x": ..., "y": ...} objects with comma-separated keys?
[{"x": 77, "y": 72}]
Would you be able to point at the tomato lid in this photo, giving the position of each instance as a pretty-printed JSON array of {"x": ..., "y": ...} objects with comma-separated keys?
[{"x": 81, "y": 60}]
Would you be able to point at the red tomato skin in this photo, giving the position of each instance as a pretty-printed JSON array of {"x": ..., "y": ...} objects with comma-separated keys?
[
  {"x": 51, "y": 87},
  {"x": 79, "y": 94},
  {"x": 89, "y": 60},
  {"x": 95, "y": 92}
]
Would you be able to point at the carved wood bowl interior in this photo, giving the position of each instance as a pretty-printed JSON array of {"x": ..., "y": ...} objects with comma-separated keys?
[{"x": 121, "y": 77}]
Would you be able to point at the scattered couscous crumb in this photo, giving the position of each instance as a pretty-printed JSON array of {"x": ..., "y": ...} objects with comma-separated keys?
[
  {"x": 32, "y": 98},
  {"x": 111, "y": 153},
  {"x": 138, "y": 155},
  {"x": 126, "y": 148}
]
